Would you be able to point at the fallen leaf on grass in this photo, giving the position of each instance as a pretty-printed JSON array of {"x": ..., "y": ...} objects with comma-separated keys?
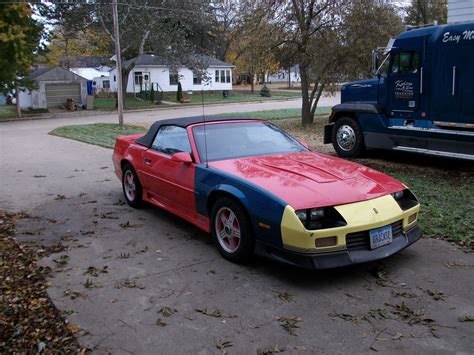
[
  {"x": 210, "y": 312},
  {"x": 274, "y": 350},
  {"x": 466, "y": 319},
  {"x": 62, "y": 260},
  {"x": 222, "y": 344},
  {"x": 71, "y": 293},
  {"x": 436, "y": 295},
  {"x": 456, "y": 264},
  {"x": 129, "y": 284},
  {"x": 29, "y": 322},
  {"x": 161, "y": 322},
  {"x": 404, "y": 294},
  {"x": 93, "y": 271},
  {"x": 167, "y": 311},
  {"x": 73, "y": 328},
  {"x": 410, "y": 316},
  {"x": 124, "y": 256},
  {"x": 129, "y": 225},
  {"x": 290, "y": 324},
  {"x": 91, "y": 284},
  {"x": 284, "y": 296}
]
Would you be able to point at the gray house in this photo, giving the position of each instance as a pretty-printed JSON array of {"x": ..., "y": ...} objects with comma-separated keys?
[{"x": 55, "y": 86}]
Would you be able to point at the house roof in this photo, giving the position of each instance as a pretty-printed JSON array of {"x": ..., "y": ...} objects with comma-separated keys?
[
  {"x": 90, "y": 62},
  {"x": 151, "y": 59},
  {"x": 55, "y": 74},
  {"x": 89, "y": 73}
]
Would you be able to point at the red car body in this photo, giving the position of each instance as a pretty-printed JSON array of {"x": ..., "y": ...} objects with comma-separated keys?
[{"x": 272, "y": 189}]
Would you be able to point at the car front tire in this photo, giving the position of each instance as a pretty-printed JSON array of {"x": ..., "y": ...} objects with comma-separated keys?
[
  {"x": 132, "y": 189},
  {"x": 348, "y": 138},
  {"x": 232, "y": 231}
]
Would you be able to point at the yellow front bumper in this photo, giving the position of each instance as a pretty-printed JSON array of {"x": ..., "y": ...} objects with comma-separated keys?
[{"x": 360, "y": 216}]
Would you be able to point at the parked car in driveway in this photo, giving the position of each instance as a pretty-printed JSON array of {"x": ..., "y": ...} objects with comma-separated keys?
[{"x": 258, "y": 190}]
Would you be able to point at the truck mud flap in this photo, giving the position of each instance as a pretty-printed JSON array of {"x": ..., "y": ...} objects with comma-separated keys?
[{"x": 328, "y": 133}]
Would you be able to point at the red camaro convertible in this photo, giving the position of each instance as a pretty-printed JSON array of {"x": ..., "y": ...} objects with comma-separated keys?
[{"x": 259, "y": 190}]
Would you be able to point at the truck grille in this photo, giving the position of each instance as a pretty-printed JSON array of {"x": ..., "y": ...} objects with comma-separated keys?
[{"x": 361, "y": 241}]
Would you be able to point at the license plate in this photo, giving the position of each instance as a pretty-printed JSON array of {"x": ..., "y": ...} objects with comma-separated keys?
[{"x": 380, "y": 237}]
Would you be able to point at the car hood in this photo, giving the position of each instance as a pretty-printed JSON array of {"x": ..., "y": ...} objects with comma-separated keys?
[{"x": 308, "y": 180}]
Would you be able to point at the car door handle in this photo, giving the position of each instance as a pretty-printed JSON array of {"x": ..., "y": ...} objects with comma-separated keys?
[{"x": 147, "y": 161}]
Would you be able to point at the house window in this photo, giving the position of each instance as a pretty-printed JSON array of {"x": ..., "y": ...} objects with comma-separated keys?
[
  {"x": 138, "y": 78},
  {"x": 174, "y": 78},
  {"x": 197, "y": 78},
  {"x": 115, "y": 78},
  {"x": 227, "y": 76},
  {"x": 222, "y": 76},
  {"x": 217, "y": 76},
  {"x": 106, "y": 84}
]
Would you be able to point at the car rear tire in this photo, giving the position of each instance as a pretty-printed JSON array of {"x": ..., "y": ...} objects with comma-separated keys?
[
  {"x": 348, "y": 138},
  {"x": 132, "y": 189},
  {"x": 232, "y": 231}
]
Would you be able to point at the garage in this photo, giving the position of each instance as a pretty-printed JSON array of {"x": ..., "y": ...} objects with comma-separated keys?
[
  {"x": 54, "y": 87},
  {"x": 57, "y": 94}
]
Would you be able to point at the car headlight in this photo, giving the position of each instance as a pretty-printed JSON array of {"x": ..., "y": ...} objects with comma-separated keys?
[
  {"x": 405, "y": 199},
  {"x": 320, "y": 218}
]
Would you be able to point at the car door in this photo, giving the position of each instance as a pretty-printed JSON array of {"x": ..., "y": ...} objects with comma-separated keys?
[{"x": 170, "y": 182}]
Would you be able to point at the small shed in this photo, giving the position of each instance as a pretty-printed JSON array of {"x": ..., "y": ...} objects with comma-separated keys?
[{"x": 55, "y": 86}]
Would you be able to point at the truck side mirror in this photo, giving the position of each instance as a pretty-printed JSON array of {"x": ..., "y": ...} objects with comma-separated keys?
[{"x": 375, "y": 62}]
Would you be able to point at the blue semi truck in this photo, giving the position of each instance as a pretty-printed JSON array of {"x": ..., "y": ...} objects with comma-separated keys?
[{"x": 421, "y": 98}]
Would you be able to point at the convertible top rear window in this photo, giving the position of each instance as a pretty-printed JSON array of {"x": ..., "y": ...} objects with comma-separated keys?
[{"x": 243, "y": 139}]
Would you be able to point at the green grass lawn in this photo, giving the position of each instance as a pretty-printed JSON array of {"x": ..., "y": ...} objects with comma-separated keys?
[
  {"x": 131, "y": 103},
  {"x": 234, "y": 96},
  {"x": 278, "y": 114},
  {"x": 101, "y": 134},
  {"x": 196, "y": 99},
  {"x": 8, "y": 112}
]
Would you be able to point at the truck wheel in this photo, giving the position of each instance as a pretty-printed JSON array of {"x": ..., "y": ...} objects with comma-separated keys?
[
  {"x": 232, "y": 231},
  {"x": 132, "y": 189},
  {"x": 347, "y": 138}
]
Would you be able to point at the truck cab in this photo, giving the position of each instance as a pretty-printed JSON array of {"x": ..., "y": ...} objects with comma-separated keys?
[{"x": 421, "y": 98}]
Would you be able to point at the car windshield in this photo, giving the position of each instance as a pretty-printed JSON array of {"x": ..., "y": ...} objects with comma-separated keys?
[{"x": 242, "y": 139}]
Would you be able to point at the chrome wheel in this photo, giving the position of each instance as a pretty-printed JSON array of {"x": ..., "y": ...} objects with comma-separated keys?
[
  {"x": 346, "y": 138},
  {"x": 227, "y": 230},
  {"x": 129, "y": 184}
]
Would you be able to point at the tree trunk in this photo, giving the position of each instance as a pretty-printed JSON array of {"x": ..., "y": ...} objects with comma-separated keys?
[
  {"x": 252, "y": 85},
  {"x": 18, "y": 107},
  {"x": 306, "y": 118},
  {"x": 289, "y": 77}
]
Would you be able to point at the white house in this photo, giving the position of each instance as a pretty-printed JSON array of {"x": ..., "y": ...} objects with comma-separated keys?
[
  {"x": 164, "y": 76},
  {"x": 100, "y": 77},
  {"x": 460, "y": 10},
  {"x": 285, "y": 76}
]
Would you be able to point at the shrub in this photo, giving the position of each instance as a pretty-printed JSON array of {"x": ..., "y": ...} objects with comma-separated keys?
[
  {"x": 179, "y": 94},
  {"x": 152, "y": 94},
  {"x": 265, "y": 91}
]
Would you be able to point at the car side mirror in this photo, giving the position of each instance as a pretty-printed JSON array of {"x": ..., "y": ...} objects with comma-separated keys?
[
  {"x": 304, "y": 144},
  {"x": 182, "y": 157}
]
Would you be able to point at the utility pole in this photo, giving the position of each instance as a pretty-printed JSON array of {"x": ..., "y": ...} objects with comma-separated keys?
[{"x": 118, "y": 56}]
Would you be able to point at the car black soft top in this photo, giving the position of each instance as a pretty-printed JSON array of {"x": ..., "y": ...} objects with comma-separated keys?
[{"x": 147, "y": 139}]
